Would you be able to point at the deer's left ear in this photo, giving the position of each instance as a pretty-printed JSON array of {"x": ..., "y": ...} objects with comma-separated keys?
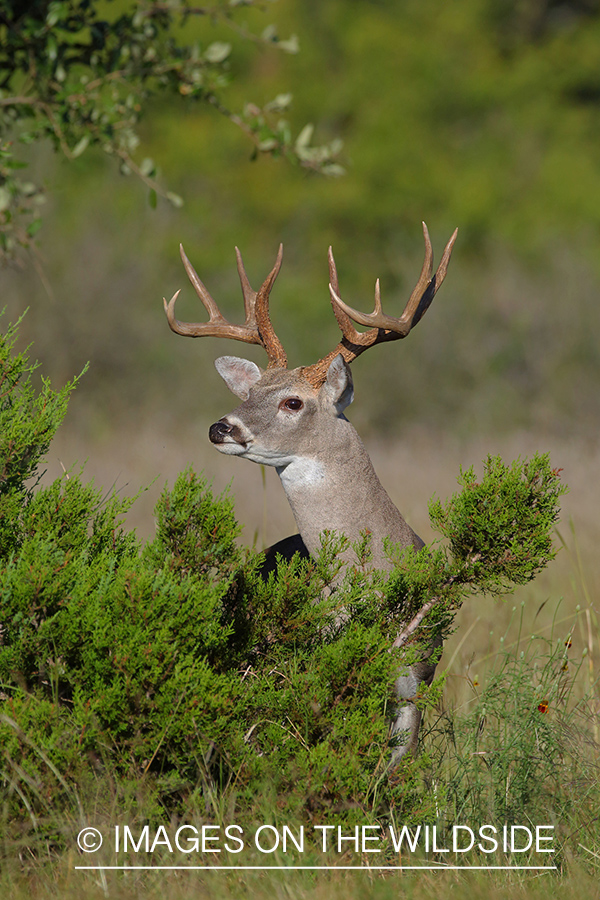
[{"x": 338, "y": 384}]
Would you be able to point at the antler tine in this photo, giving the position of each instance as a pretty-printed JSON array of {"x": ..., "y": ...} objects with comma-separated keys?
[
  {"x": 343, "y": 319},
  {"x": 247, "y": 291},
  {"x": 257, "y": 328},
  {"x": 445, "y": 260},
  {"x": 419, "y": 300},
  {"x": 208, "y": 302},
  {"x": 424, "y": 279},
  {"x": 382, "y": 328},
  {"x": 333, "y": 275},
  {"x": 268, "y": 338},
  {"x": 217, "y": 325}
]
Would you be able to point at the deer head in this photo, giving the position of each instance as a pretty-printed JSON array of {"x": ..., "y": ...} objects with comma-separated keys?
[{"x": 289, "y": 418}]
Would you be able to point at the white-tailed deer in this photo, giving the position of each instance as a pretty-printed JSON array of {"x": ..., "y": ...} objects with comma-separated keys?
[{"x": 294, "y": 420}]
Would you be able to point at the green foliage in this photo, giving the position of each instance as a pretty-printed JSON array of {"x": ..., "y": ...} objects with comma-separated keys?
[
  {"x": 28, "y": 420},
  {"x": 194, "y": 534},
  {"x": 176, "y": 666},
  {"x": 81, "y": 75},
  {"x": 500, "y": 528}
]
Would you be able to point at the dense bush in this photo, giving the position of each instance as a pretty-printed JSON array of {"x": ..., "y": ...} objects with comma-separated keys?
[{"x": 176, "y": 666}]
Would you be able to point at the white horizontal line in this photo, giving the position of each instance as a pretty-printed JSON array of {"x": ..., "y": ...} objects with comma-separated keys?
[{"x": 433, "y": 868}]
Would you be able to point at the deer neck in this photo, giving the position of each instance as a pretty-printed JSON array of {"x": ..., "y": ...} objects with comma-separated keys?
[{"x": 335, "y": 488}]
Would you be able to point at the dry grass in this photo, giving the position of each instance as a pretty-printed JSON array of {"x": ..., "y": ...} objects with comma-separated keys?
[{"x": 68, "y": 884}]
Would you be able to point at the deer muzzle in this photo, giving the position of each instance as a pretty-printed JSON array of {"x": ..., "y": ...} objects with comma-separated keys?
[{"x": 224, "y": 432}]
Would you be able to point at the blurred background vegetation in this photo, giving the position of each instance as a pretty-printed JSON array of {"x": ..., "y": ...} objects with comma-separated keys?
[{"x": 479, "y": 113}]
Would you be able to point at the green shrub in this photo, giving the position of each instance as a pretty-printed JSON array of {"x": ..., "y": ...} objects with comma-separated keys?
[{"x": 176, "y": 668}]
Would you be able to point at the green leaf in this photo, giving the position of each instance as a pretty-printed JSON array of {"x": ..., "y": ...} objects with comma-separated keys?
[
  {"x": 268, "y": 144},
  {"x": 217, "y": 52},
  {"x": 34, "y": 227},
  {"x": 80, "y": 146},
  {"x": 280, "y": 102},
  {"x": 147, "y": 167},
  {"x": 290, "y": 45},
  {"x": 51, "y": 48},
  {"x": 334, "y": 170},
  {"x": 269, "y": 33},
  {"x": 175, "y": 199},
  {"x": 55, "y": 12},
  {"x": 305, "y": 137}
]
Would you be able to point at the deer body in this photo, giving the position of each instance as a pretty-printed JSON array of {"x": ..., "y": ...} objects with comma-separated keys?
[{"x": 294, "y": 420}]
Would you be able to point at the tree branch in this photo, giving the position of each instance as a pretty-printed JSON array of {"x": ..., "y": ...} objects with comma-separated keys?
[
  {"x": 19, "y": 101},
  {"x": 414, "y": 623}
]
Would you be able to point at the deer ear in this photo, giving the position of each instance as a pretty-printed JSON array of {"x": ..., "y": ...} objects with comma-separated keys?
[
  {"x": 238, "y": 374},
  {"x": 338, "y": 384}
]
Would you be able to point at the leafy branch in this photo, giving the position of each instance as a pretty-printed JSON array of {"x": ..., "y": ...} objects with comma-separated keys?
[
  {"x": 71, "y": 75},
  {"x": 499, "y": 532}
]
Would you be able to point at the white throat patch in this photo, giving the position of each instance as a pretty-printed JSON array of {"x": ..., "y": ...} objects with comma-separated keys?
[{"x": 302, "y": 472}]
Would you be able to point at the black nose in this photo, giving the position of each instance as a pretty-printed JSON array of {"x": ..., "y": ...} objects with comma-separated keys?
[{"x": 217, "y": 432}]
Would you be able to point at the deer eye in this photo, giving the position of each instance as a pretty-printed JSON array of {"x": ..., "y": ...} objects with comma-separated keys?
[{"x": 293, "y": 404}]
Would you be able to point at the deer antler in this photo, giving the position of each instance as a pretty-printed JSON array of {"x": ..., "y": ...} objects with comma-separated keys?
[
  {"x": 257, "y": 329},
  {"x": 382, "y": 327}
]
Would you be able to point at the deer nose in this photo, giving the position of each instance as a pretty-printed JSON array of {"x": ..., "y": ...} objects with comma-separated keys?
[{"x": 218, "y": 431}]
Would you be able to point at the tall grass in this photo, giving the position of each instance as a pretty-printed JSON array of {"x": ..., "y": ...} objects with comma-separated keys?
[{"x": 523, "y": 749}]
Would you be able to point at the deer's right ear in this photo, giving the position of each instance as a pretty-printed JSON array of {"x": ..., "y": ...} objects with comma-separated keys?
[
  {"x": 339, "y": 383},
  {"x": 238, "y": 374}
]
